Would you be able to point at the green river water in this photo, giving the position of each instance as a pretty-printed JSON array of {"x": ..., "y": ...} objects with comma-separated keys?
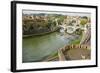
[{"x": 37, "y": 48}]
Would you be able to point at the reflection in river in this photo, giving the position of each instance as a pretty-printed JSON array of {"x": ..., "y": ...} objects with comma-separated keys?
[{"x": 37, "y": 48}]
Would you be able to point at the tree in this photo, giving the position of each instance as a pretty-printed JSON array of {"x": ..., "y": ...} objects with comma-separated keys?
[{"x": 83, "y": 21}]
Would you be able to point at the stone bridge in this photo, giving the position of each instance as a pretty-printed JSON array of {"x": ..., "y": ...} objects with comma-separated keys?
[{"x": 71, "y": 29}]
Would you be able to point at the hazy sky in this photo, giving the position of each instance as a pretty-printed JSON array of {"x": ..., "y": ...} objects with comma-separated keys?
[{"x": 56, "y": 12}]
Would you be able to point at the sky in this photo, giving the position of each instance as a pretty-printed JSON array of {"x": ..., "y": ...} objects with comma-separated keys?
[{"x": 56, "y": 12}]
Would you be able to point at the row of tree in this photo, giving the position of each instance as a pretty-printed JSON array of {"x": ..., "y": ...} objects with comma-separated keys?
[{"x": 37, "y": 26}]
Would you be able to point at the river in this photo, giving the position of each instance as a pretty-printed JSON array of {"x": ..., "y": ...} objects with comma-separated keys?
[{"x": 37, "y": 48}]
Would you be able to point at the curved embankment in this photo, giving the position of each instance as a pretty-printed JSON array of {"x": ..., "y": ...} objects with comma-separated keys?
[
  {"x": 72, "y": 52},
  {"x": 24, "y": 36}
]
